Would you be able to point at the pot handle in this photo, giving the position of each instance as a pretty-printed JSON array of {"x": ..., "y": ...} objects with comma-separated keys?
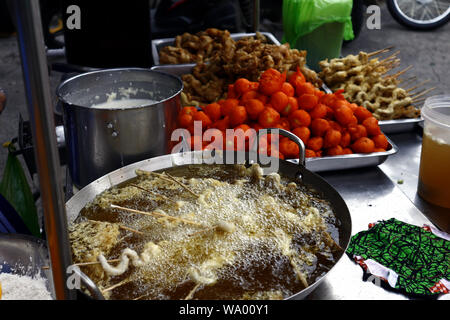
[
  {"x": 287, "y": 134},
  {"x": 95, "y": 292}
]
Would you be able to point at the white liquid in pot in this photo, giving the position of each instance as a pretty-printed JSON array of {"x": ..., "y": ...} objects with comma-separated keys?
[{"x": 123, "y": 104}]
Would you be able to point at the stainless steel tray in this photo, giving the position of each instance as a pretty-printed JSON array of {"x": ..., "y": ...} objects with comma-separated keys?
[
  {"x": 399, "y": 125},
  {"x": 336, "y": 162},
  {"x": 158, "y": 44},
  {"x": 351, "y": 161}
]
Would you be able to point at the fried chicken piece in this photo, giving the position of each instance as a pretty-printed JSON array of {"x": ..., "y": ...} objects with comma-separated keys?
[
  {"x": 199, "y": 91},
  {"x": 173, "y": 55},
  {"x": 246, "y": 58},
  {"x": 221, "y": 61},
  {"x": 199, "y": 47}
]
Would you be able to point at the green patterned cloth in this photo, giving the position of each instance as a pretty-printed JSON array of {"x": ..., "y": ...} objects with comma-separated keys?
[{"x": 411, "y": 259}]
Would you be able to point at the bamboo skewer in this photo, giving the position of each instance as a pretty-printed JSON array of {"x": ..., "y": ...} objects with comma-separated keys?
[
  {"x": 298, "y": 272},
  {"x": 149, "y": 173},
  {"x": 407, "y": 80},
  {"x": 157, "y": 214},
  {"x": 192, "y": 292},
  {"x": 121, "y": 226},
  {"x": 391, "y": 64},
  {"x": 386, "y": 64},
  {"x": 202, "y": 231},
  {"x": 167, "y": 177},
  {"x": 82, "y": 264},
  {"x": 123, "y": 282},
  {"x": 131, "y": 230},
  {"x": 393, "y": 56},
  {"x": 422, "y": 93},
  {"x": 331, "y": 240},
  {"x": 396, "y": 75},
  {"x": 386, "y": 71},
  {"x": 374, "y": 53},
  {"x": 417, "y": 103},
  {"x": 420, "y": 100},
  {"x": 140, "y": 297},
  {"x": 388, "y": 67},
  {"x": 152, "y": 193},
  {"x": 183, "y": 185},
  {"x": 417, "y": 86}
]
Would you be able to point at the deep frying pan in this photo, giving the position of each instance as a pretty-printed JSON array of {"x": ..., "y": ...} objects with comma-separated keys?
[{"x": 286, "y": 169}]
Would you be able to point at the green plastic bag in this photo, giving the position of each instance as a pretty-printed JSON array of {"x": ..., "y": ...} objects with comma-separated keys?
[
  {"x": 14, "y": 187},
  {"x": 301, "y": 17}
]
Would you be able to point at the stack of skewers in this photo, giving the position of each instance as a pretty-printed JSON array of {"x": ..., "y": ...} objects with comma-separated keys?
[{"x": 368, "y": 80}]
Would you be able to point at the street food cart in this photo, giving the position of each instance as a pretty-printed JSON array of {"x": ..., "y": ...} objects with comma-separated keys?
[{"x": 122, "y": 147}]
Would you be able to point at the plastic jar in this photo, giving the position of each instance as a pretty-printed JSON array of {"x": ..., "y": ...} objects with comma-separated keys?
[{"x": 434, "y": 175}]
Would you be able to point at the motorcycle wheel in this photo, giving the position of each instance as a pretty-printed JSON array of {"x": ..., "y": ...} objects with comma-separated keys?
[{"x": 420, "y": 14}]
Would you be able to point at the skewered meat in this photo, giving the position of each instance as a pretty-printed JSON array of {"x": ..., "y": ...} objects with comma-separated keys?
[{"x": 365, "y": 83}]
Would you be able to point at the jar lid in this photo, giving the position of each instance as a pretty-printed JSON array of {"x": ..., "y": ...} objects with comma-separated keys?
[{"x": 437, "y": 110}]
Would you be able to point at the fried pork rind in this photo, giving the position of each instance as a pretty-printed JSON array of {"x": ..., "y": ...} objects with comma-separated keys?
[
  {"x": 365, "y": 84},
  {"x": 190, "y": 48},
  {"x": 221, "y": 61},
  {"x": 247, "y": 58}
]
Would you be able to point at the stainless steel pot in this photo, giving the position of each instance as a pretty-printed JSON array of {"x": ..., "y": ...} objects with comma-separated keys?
[
  {"x": 286, "y": 168},
  {"x": 100, "y": 140}
]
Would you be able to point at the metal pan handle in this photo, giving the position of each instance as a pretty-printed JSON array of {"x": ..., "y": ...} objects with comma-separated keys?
[
  {"x": 287, "y": 134},
  {"x": 95, "y": 292}
]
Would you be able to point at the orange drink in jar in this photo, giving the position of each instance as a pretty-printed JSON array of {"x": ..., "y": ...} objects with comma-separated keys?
[{"x": 434, "y": 175}]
